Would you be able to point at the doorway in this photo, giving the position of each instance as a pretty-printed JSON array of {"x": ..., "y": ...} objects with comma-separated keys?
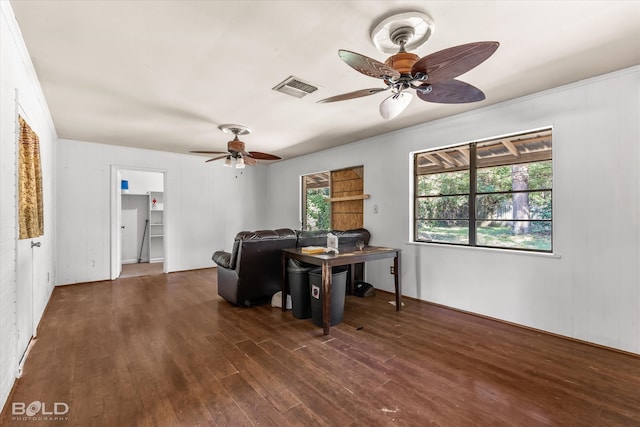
[{"x": 138, "y": 230}]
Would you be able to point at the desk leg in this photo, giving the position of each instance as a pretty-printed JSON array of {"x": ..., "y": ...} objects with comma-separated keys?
[
  {"x": 285, "y": 282},
  {"x": 396, "y": 269},
  {"x": 326, "y": 297},
  {"x": 352, "y": 279}
]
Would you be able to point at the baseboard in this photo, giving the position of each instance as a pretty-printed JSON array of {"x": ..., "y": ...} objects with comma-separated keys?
[{"x": 517, "y": 325}]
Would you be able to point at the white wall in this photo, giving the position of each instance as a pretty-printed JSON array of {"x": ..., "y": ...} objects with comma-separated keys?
[
  {"x": 590, "y": 289},
  {"x": 205, "y": 204},
  {"x": 16, "y": 72},
  {"x": 141, "y": 182}
]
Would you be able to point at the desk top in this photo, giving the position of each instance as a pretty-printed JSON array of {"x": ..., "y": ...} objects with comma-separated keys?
[{"x": 347, "y": 255}]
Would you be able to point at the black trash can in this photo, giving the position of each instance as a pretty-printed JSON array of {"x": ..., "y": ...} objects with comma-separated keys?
[
  {"x": 299, "y": 288},
  {"x": 338, "y": 290}
]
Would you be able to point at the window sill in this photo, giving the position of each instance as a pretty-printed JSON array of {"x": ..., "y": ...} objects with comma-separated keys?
[{"x": 501, "y": 251}]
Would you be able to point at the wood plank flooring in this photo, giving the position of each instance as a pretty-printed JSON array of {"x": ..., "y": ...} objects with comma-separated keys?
[
  {"x": 165, "y": 350},
  {"x": 140, "y": 269}
]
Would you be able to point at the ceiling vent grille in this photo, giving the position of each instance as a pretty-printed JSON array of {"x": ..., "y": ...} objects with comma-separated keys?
[{"x": 295, "y": 87}]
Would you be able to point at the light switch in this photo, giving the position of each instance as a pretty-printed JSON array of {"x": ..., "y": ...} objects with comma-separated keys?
[{"x": 375, "y": 209}]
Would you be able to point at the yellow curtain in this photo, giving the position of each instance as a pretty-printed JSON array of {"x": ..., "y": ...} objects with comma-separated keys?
[{"x": 30, "y": 217}]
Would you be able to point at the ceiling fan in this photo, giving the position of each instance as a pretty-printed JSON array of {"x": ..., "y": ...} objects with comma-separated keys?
[
  {"x": 236, "y": 156},
  {"x": 433, "y": 77}
]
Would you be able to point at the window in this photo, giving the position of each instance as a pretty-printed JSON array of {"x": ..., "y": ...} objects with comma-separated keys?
[
  {"x": 316, "y": 208},
  {"x": 494, "y": 193},
  {"x": 333, "y": 199}
]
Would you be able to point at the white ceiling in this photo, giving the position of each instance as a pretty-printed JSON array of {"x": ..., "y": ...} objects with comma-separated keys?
[{"x": 164, "y": 74}]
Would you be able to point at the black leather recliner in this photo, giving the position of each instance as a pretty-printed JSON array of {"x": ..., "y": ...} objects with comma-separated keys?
[{"x": 252, "y": 272}]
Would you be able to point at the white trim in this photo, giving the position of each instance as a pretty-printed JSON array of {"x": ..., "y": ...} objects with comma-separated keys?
[{"x": 483, "y": 249}]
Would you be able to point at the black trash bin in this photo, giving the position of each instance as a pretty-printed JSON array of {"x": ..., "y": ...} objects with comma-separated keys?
[
  {"x": 299, "y": 288},
  {"x": 338, "y": 290}
]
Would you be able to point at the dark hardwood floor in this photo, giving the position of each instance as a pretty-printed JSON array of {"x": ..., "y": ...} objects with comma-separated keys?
[{"x": 165, "y": 350}]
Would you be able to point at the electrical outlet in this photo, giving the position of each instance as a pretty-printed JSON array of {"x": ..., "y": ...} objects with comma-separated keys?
[{"x": 392, "y": 270}]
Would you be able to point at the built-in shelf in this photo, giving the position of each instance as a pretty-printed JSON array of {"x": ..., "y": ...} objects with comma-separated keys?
[
  {"x": 347, "y": 198},
  {"x": 156, "y": 226}
]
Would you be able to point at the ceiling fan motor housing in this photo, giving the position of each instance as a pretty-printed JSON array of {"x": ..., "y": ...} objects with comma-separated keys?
[
  {"x": 236, "y": 146},
  {"x": 402, "y": 62}
]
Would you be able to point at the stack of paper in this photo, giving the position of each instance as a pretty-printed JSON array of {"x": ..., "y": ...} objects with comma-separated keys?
[{"x": 312, "y": 250}]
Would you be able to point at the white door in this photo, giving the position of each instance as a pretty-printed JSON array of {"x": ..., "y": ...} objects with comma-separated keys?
[
  {"x": 134, "y": 242},
  {"x": 24, "y": 292},
  {"x": 129, "y": 234}
]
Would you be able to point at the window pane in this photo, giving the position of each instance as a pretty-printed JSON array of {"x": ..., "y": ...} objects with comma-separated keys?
[
  {"x": 529, "y": 205},
  {"x": 534, "y": 235},
  {"x": 534, "y": 176},
  {"x": 515, "y": 149},
  {"x": 443, "y": 231},
  {"x": 445, "y": 207},
  {"x": 444, "y": 183},
  {"x": 318, "y": 209},
  {"x": 442, "y": 161}
]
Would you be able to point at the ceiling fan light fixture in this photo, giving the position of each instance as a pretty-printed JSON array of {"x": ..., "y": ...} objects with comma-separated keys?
[
  {"x": 239, "y": 163},
  {"x": 394, "y": 105},
  {"x": 227, "y": 162}
]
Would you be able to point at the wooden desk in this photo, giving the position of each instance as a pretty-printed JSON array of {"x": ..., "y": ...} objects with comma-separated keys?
[{"x": 347, "y": 256}]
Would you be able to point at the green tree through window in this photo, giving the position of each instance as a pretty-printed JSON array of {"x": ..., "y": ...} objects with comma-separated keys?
[
  {"x": 318, "y": 209},
  {"x": 494, "y": 193}
]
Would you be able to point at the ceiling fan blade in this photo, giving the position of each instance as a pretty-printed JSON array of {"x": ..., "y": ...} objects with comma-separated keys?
[
  {"x": 394, "y": 105},
  {"x": 208, "y": 152},
  {"x": 449, "y": 63},
  {"x": 216, "y": 158},
  {"x": 356, "y": 94},
  {"x": 263, "y": 156},
  {"x": 452, "y": 92},
  {"x": 249, "y": 161},
  {"x": 368, "y": 66}
]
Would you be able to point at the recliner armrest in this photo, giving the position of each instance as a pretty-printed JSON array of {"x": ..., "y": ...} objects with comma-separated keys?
[{"x": 222, "y": 258}]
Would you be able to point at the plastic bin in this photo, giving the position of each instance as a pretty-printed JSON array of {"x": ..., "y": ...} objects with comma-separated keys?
[
  {"x": 338, "y": 290},
  {"x": 299, "y": 288}
]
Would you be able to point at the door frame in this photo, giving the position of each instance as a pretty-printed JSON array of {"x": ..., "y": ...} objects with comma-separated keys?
[
  {"x": 22, "y": 249},
  {"x": 115, "y": 241}
]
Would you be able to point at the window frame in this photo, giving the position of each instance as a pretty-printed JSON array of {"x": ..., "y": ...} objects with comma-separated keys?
[{"x": 473, "y": 193}]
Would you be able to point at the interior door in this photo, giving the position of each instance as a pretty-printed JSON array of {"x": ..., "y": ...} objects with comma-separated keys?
[{"x": 134, "y": 214}]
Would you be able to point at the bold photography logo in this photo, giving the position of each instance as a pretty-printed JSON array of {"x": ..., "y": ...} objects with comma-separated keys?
[{"x": 38, "y": 410}]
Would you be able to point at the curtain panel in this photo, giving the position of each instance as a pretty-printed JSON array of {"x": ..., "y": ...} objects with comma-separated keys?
[{"x": 30, "y": 205}]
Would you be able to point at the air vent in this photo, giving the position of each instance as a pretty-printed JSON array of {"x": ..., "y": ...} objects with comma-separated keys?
[{"x": 295, "y": 87}]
